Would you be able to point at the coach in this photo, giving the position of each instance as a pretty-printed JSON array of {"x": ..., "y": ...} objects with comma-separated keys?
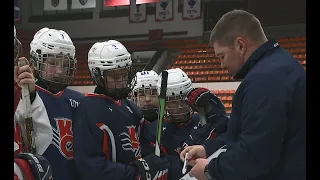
[{"x": 266, "y": 136}]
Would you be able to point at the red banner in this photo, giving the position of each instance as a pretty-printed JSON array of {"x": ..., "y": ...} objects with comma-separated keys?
[
  {"x": 116, "y": 2},
  {"x": 146, "y": 1}
]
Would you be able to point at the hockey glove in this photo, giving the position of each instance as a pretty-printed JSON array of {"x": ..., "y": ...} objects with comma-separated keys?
[
  {"x": 199, "y": 97},
  {"x": 202, "y": 98},
  {"x": 39, "y": 165},
  {"x": 152, "y": 167}
]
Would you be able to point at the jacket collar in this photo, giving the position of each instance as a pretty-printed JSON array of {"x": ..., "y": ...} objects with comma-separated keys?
[{"x": 255, "y": 57}]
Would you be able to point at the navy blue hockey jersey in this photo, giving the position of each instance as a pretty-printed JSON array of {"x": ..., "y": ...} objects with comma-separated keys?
[
  {"x": 175, "y": 137},
  {"x": 60, "y": 109},
  {"x": 106, "y": 138}
]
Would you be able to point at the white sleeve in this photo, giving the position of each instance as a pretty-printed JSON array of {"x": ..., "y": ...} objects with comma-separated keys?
[
  {"x": 41, "y": 123},
  {"x": 17, "y": 171}
]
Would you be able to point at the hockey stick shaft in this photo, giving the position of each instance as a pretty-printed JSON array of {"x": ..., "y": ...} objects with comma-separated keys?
[
  {"x": 162, "y": 102},
  {"x": 27, "y": 108}
]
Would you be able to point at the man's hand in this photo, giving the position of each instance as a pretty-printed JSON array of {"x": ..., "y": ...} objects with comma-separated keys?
[
  {"x": 198, "y": 169},
  {"x": 194, "y": 152},
  {"x": 24, "y": 75}
]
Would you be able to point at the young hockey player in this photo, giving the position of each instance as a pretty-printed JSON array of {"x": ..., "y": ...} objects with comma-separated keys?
[
  {"x": 53, "y": 55},
  {"x": 25, "y": 167},
  {"x": 181, "y": 127},
  {"x": 106, "y": 136},
  {"x": 145, "y": 95}
]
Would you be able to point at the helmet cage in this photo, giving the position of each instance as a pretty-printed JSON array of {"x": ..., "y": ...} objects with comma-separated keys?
[
  {"x": 126, "y": 73},
  {"x": 177, "y": 110},
  {"x": 17, "y": 49},
  {"x": 144, "y": 98},
  {"x": 66, "y": 64}
]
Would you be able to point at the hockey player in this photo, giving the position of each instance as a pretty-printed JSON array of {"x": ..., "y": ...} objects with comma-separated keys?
[
  {"x": 42, "y": 128},
  {"x": 145, "y": 95},
  {"x": 25, "y": 167},
  {"x": 53, "y": 55},
  {"x": 181, "y": 126},
  {"x": 106, "y": 136}
]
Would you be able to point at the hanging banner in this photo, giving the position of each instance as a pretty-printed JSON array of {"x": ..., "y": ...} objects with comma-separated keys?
[
  {"x": 83, "y": 4},
  {"x": 116, "y": 2},
  {"x": 191, "y": 9},
  {"x": 146, "y": 1},
  {"x": 164, "y": 10},
  {"x": 138, "y": 12},
  {"x": 55, "y": 5}
]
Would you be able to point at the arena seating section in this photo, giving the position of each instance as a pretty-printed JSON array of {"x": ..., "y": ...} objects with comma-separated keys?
[{"x": 197, "y": 60}]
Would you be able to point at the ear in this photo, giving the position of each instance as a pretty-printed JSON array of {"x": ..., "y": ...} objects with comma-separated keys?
[{"x": 240, "y": 43}]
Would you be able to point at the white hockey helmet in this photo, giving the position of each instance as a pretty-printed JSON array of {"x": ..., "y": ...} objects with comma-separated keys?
[
  {"x": 52, "y": 41},
  {"x": 178, "y": 83},
  {"x": 58, "y": 46},
  {"x": 146, "y": 79},
  {"x": 17, "y": 45},
  {"x": 109, "y": 56}
]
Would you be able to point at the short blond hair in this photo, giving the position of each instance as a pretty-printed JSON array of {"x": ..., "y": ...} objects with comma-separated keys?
[{"x": 234, "y": 24}]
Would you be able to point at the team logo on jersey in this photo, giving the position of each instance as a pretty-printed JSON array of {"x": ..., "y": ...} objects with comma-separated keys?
[
  {"x": 74, "y": 103},
  {"x": 130, "y": 141},
  {"x": 63, "y": 137}
]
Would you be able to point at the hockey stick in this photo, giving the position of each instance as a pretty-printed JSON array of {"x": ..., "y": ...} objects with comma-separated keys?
[
  {"x": 29, "y": 142},
  {"x": 162, "y": 101}
]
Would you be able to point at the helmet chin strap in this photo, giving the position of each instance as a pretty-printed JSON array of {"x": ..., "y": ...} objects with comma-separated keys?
[
  {"x": 50, "y": 86},
  {"x": 116, "y": 94},
  {"x": 185, "y": 119},
  {"x": 150, "y": 114}
]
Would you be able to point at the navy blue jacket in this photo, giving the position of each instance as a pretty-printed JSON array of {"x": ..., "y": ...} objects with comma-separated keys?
[{"x": 266, "y": 135}]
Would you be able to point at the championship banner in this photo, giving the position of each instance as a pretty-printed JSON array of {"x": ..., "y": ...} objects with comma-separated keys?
[
  {"x": 116, "y": 2},
  {"x": 16, "y": 9},
  {"x": 191, "y": 9},
  {"x": 83, "y": 4},
  {"x": 55, "y": 5},
  {"x": 164, "y": 10},
  {"x": 138, "y": 12},
  {"x": 146, "y": 1}
]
